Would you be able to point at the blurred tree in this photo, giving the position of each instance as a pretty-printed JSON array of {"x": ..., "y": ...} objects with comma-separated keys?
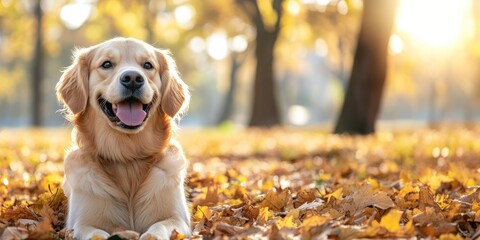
[
  {"x": 37, "y": 67},
  {"x": 362, "y": 101},
  {"x": 226, "y": 112},
  {"x": 266, "y": 16}
]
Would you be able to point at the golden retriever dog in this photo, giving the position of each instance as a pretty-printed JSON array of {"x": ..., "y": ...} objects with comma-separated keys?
[{"x": 125, "y": 174}]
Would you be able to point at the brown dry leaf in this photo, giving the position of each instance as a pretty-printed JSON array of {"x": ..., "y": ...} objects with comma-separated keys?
[
  {"x": 18, "y": 212},
  {"x": 429, "y": 216},
  {"x": 250, "y": 212},
  {"x": 14, "y": 233},
  {"x": 228, "y": 229},
  {"x": 56, "y": 199},
  {"x": 348, "y": 232},
  {"x": 304, "y": 196},
  {"x": 211, "y": 197},
  {"x": 44, "y": 229},
  {"x": 311, "y": 205},
  {"x": 426, "y": 199},
  {"x": 276, "y": 201},
  {"x": 49, "y": 215},
  {"x": 365, "y": 196}
]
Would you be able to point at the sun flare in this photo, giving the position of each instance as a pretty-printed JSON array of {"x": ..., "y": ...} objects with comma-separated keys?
[{"x": 435, "y": 23}]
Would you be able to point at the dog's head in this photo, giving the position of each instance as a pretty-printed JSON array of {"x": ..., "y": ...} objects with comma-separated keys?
[{"x": 126, "y": 81}]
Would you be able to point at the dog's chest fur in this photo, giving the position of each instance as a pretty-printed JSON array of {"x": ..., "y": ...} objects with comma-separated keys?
[{"x": 134, "y": 184}]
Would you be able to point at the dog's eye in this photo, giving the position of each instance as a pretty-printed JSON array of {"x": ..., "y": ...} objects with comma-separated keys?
[
  {"x": 147, "y": 65},
  {"x": 107, "y": 64}
]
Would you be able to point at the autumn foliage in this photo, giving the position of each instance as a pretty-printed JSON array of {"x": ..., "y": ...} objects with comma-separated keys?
[{"x": 278, "y": 183}]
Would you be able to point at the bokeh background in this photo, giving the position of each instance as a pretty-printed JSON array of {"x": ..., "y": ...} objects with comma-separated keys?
[{"x": 433, "y": 56}]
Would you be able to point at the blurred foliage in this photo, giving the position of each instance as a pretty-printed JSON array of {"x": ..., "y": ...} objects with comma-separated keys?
[
  {"x": 313, "y": 56},
  {"x": 278, "y": 183}
]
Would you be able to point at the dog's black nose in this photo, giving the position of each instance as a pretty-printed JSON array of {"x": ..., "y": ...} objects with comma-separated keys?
[{"x": 132, "y": 80}]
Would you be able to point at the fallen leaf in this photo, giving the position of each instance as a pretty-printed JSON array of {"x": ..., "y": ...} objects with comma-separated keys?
[
  {"x": 276, "y": 201},
  {"x": 365, "y": 196},
  {"x": 313, "y": 221},
  {"x": 286, "y": 222},
  {"x": 202, "y": 212},
  {"x": 391, "y": 221},
  {"x": 263, "y": 216},
  {"x": 337, "y": 194}
]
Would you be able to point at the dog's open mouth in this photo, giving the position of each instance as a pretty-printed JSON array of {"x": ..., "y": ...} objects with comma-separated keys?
[{"x": 130, "y": 113}]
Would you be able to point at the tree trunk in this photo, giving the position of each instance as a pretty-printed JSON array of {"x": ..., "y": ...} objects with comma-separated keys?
[
  {"x": 264, "y": 103},
  {"x": 37, "y": 68},
  {"x": 362, "y": 101},
  {"x": 226, "y": 112},
  {"x": 265, "y": 112}
]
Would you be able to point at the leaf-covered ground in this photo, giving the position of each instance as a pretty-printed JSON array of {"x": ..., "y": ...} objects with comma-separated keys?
[{"x": 279, "y": 183}]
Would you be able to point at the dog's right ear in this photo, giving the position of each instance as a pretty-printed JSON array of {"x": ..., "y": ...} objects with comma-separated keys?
[{"x": 72, "y": 88}]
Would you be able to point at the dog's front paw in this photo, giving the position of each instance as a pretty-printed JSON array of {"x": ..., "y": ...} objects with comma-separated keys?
[
  {"x": 154, "y": 236},
  {"x": 127, "y": 234}
]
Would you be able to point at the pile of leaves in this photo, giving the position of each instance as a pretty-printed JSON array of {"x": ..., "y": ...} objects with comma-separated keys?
[{"x": 278, "y": 183}]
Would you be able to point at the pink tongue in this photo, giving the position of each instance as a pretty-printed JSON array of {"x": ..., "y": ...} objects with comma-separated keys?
[{"x": 131, "y": 113}]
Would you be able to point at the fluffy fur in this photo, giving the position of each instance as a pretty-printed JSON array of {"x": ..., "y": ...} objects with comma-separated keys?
[{"x": 119, "y": 179}]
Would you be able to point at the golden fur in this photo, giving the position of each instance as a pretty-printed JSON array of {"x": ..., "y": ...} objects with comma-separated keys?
[{"x": 119, "y": 179}]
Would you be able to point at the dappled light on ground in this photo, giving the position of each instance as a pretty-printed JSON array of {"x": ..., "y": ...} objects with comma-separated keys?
[{"x": 279, "y": 183}]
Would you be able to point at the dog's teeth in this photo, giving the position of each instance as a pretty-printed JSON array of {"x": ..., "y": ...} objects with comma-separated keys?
[{"x": 114, "y": 107}]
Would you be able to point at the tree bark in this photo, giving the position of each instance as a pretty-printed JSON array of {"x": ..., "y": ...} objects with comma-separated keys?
[
  {"x": 226, "y": 112},
  {"x": 264, "y": 108},
  {"x": 37, "y": 68},
  {"x": 265, "y": 111},
  {"x": 364, "y": 93}
]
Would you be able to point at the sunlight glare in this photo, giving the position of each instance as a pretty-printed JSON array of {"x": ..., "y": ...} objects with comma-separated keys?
[
  {"x": 197, "y": 44},
  {"x": 435, "y": 23},
  {"x": 298, "y": 115},
  {"x": 342, "y": 7},
  {"x": 217, "y": 45},
  {"x": 321, "y": 47},
  {"x": 74, "y": 15},
  {"x": 395, "y": 44},
  {"x": 293, "y": 8},
  {"x": 239, "y": 43},
  {"x": 184, "y": 15}
]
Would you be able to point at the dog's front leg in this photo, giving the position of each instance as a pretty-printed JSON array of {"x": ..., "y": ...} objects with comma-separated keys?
[
  {"x": 92, "y": 209},
  {"x": 163, "y": 198}
]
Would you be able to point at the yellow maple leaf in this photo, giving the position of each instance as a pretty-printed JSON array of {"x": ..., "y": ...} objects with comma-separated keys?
[
  {"x": 314, "y": 220},
  {"x": 202, "y": 211},
  {"x": 286, "y": 222},
  {"x": 373, "y": 183},
  {"x": 337, "y": 194},
  {"x": 408, "y": 188},
  {"x": 391, "y": 221},
  {"x": 220, "y": 179},
  {"x": 450, "y": 236},
  {"x": 405, "y": 177},
  {"x": 475, "y": 206},
  {"x": 263, "y": 216},
  {"x": 267, "y": 186}
]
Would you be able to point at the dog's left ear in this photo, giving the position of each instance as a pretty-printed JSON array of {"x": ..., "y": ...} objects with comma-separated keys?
[
  {"x": 175, "y": 96},
  {"x": 72, "y": 89}
]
